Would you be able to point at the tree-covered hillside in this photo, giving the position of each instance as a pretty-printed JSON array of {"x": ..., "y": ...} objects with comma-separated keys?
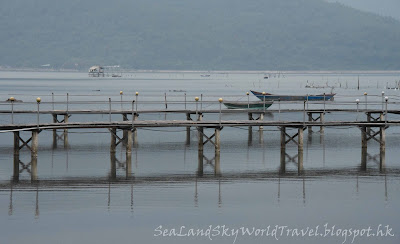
[{"x": 197, "y": 35}]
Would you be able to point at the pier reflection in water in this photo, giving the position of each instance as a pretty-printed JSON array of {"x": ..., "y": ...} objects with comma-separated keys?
[{"x": 122, "y": 175}]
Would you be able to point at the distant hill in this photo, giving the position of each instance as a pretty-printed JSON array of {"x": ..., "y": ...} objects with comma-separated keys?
[
  {"x": 381, "y": 7},
  {"x": 196, "y": 35}
]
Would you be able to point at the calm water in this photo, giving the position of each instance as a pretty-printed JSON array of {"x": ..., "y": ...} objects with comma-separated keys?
[{"x": 86, "y": 195}]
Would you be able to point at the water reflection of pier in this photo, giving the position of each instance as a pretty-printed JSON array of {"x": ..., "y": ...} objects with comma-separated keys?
[{"x": 277, "y": 177}]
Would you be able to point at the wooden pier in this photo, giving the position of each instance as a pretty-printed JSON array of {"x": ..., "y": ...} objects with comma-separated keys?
[{"x": 373, "y": 128}]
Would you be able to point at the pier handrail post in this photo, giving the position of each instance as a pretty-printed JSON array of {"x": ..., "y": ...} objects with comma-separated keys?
[
  {"x": 365, "y": 95},
  {"x": 52, "y": 100},
  {"x": 133, "y": 113},
  {"x": 121, "y": 93},
  {"x": 38, "y": 100},
  {"x": 67, "y": 102},
  {"x": 201, "y": 102},
  {"x": 357, "y": 101},
  {"x": 109, "y": 105},
  {"x": 12, "y": 99},
  {"x": 196, "y": 99},
  {"x": 304, "y": 114},
  {"x": 383, "y": 97},
  {"x": 165, "y": 100},
  {"x": 264, "y": 100},
  {"x": 307, "y": 101},
  {"x": 386, "y": 100},
  {"x": 137, "y": 96},
  {"x": 279, "y": 107},
  {"x": 185, "y": 100},
  {"x": 220, "y": 110},
  {"x": 324, "y": 102},
  {"x": 248, "y": 100}
]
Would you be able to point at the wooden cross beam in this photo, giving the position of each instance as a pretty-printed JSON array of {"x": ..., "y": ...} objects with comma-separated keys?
[
  {"x": 291, "y": 138},
  {"x": 117, "y": 137}
]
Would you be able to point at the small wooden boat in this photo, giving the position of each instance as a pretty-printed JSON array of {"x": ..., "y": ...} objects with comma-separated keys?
[
  {"x": 248, "y": 105},
  {"x": 274, "y": 97}
]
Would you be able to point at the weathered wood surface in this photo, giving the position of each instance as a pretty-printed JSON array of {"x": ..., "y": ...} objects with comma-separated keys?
[
  {"x": 185, "y": 123},
  {"x": 184, "y": 111}
]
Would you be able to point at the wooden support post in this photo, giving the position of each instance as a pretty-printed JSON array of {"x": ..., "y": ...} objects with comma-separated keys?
[
  {"x": 34, "y": 152},
  {"x": 34, "y": 143},
  {"x": 128, "y": 163},
  {"x": 300, "y": 150},
  {"x": 125, "y": 132},
  {"x": 217, "y": 140},
  {"x": 261, "y": 119},
  {"x": 310, "y": 119},
  {"x": 16, "y": 167},
  {"x": 282, "y": 168},
  {"x": 364, "y": 144},
  {"x": 129, "y": 140},
  {"x": 283, "y": 138},
  {"x": 321, "y": 119},
  {"x": 368, "y": 120},
  {"x": 188, "y": 130},
  {"x": 382, "y": 153},
  {"x": 135, "y": 132},
  {"x": 364, "y": 159},
  {"x": 200, "y": 142},
  {"x": 16, "y": 156},
  {"x": 200, "y": 117},
  {"x": 283, "y": 150},
  {"x": 217, "y": 167},
  {"x": 113, "y": 140},
  {"x": 364, "y": 141},
  {"x": 135, "y": 137},
  {"x": 113, "y": 166},
  {"x": 34, "y": 168},
  {"x": 250, "y": 137},
  {"x": 200, "y": 163},
  {"x": 382, "y": 139},
  {"x": 16, "y": 142}
]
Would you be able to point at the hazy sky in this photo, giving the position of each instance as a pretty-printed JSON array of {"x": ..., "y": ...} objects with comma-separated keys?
[{"x": 381, "y": 7}]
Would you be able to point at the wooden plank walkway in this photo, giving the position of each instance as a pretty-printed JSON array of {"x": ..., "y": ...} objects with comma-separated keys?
[
  {"x": 185, "y": 111},
  {"x": 190, "y": 123}
]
